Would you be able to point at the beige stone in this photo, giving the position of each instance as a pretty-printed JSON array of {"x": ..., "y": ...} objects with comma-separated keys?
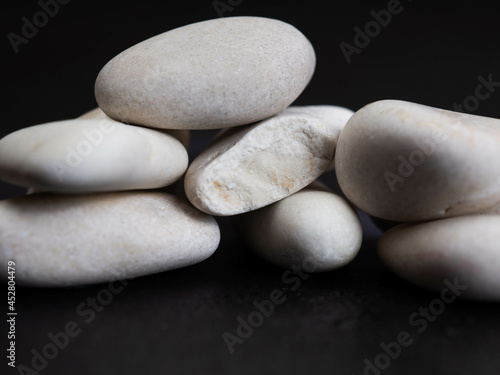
[
  {"x": 249, "y": 167},
  {"x": 463, "y": 249},
  {"x": 312, "y": 227},
  {"x": 69, "y": 240},
  {"x": 90, "y": 155},
  {"x": 212, "y": 74},
  {"x": 403, "y": 161}
]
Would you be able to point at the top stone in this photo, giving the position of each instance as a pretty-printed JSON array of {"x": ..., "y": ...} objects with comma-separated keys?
[{"x": 214, "y": 74}]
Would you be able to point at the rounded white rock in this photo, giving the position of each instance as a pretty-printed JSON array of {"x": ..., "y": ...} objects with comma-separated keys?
[
  {"x": 70, "y": 240},
  {"x": 91, "y": 155},
  {"x": 213, "y": 74},
  {"x": 311, "y": 228},
  {"x": 462, "y": 250},
  {"x": 403, "y": 161},
  {"x": 249, "y": 167}
]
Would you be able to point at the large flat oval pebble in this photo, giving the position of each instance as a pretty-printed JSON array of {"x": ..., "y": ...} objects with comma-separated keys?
[
  {"x": 181, "y": 135},
  {"x": 69, "y": 240},
  {"x": 90, "y": 155},
  {"x": 405, "y": 162},
  {"x": 312, "y": 228},
  {"x": 212, "y": 74},
  {"x": 249, "y": 167},
  {"x": 461, "y": 250}
]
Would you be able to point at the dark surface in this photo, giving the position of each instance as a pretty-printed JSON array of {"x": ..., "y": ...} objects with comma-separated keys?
[{"x": 174, "y": 322}]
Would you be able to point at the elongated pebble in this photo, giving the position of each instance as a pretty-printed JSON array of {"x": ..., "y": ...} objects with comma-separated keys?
[
  {"x": 249, "y": 167},
  {"x": 182, "y": 136},
  {"x": 70, "y": 240},
  {"x": 90, "y": 155},
  {"x": 403, "y": 161},
  {"x": 312, "y": 227},
  {"x": 463, "y": 250},
  {"x": 212, "y": 74}
]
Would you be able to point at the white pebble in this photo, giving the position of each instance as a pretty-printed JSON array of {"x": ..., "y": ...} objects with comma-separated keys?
[
  {"x": 212, "y": 74},
  {"x": 312, "y": 226},
  {"x": 90, "y": 155},
  {"x": 403, "y": 161},
  {"x": 69, "y": 240},
  {"x": 464, "y": 248}
]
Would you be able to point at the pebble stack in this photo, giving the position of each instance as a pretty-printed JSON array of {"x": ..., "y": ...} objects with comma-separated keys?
[
  {"x": 438, "y": 173},
  {"x": 98, "y": 211}
]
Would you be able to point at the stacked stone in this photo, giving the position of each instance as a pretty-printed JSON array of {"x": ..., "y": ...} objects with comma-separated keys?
[
  {"x": 437, "y": 172},
  {"x": 97, "y": 210}
]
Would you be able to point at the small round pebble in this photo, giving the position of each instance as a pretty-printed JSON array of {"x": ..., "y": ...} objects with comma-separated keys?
[{"x": 312, "y": 225}]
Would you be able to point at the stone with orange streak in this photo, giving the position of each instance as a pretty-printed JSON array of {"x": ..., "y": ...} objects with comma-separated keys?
[{"x": 249, "y": 167}]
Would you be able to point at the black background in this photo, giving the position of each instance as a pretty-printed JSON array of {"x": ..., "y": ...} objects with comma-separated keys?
[{"x": 430, "y": 53}]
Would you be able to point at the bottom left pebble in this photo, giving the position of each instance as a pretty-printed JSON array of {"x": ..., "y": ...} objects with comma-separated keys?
[{"x": 72, "y": 240}]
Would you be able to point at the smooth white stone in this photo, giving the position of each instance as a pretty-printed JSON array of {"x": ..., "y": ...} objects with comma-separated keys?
[
  {"x": 311, "y": 228},
  {"x": 465, "y": 248},
  {"x": 69, "y": 240},
  {"x": 403, "y": 161},
  {"x": 90, "y": 155},
  {"x": 213, "y": 74}
]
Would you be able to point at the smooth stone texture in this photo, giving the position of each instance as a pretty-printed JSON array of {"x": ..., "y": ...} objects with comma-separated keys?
[
  {"x": 249, "y": 167},
  {"x": 403, "y": 161},
  {"x": 70, "y": 240},
  {"x": 312, "y": 227},
  {"x": 208, "y": 75},
  {"x": 182, "y": 136},
  {"x": 90, "y": 155},
  {"x": 465, "y": 247}
]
